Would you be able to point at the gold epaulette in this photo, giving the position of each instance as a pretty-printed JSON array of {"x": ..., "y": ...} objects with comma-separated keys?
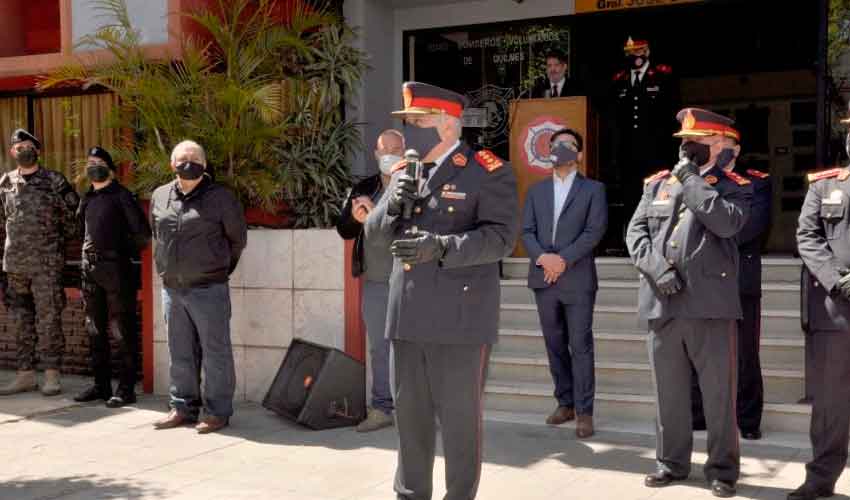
[
  {"x": 758, "y": 173},
  {"x": 741, "y": 181},
  {"x": 841, "y": 173},
  {"x": 657, "y": 176}
]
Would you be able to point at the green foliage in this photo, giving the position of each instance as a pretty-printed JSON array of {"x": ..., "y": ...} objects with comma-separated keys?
[
  {"x": 226, "y": 91},
  {"x": 839, "y": 29}
]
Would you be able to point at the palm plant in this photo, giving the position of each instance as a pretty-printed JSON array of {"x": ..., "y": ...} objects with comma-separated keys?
[{"x": 223, "y": 91}]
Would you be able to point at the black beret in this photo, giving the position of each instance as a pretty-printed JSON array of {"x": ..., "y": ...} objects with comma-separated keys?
[
  {"x": 21, "y": 135},
  {"x": 99, "y": 152}
]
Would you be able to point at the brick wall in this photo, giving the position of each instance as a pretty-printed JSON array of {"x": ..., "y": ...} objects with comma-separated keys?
[{"x": 77, "y": 360}]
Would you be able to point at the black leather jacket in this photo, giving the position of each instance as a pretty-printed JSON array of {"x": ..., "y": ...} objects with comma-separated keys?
[{"x": 348, "y": 227}]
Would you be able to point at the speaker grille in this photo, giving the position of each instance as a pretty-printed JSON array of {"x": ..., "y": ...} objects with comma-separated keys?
[{"x": 295, "y": 379}]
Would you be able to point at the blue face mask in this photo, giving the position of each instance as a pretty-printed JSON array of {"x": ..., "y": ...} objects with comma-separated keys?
[{"x": 725, "y": 157}]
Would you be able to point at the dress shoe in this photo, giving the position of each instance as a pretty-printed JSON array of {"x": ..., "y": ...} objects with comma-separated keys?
[
  {"x": 561, "y": 415},
  {"x": 172, "y": 420},
  {"x": 94, "y": 393},
  {"x": 123, "y": 397},
  {"x": 375, "y": 419},
  {"x": 24, "y": 382},
  {"x": 751, "y": 435},
  {"x": 584, "y": 426},
  {"x": 722, "y": 489},
  {"x": 210, "y": 424},
  {"x": 809, "y": 492},
  {"x": 660, "y": 479}
]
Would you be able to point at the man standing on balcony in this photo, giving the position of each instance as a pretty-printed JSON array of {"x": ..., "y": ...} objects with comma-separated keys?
[
  {"x": 115, "y": 230},
  {"x": 39, "y": 215},
  {"x": 682, "y": 239},
  {"x": 447, "y": 228},
  {"x": 565, "y": 217}
]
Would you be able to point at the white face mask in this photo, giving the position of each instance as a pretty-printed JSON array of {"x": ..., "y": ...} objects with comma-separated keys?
[{"x": 386, "y": 162}]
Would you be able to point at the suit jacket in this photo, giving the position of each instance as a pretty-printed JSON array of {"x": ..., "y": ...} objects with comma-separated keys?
[
  {"x": 751, "y": 238},
  {"x": 581, "y": 226},
  {"x": 823, "y": 240},
  {"x": 543, "y": 85},
  {"x": 691, "y": 228},
  {"x": 472, "y": 199}
]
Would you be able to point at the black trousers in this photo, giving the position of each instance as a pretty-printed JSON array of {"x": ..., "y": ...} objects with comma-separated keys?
[
  {"x": 109, "y": 295},
  {"x": 438, "y": 382},
  {"x": 830, "y": 426},
  {"x": 750, "y": 401}
]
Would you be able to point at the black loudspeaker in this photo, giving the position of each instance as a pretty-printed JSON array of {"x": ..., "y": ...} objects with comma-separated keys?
[{"x": 319, "y": 387}]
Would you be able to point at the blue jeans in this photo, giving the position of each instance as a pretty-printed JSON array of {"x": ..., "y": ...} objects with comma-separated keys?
[
  {"x": 375, "y": 297},
  {"x": 198, "y": 324}
]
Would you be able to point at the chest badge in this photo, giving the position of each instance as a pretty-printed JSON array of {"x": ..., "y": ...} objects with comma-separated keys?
[
  {"x": 711, "y": 179},
  {"x": 459, "y": 160},
  {"x": 835, "y": 198},
  {"x": 453, "y": 195}
]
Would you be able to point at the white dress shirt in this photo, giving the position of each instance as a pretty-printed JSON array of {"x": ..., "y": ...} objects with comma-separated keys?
[
  {"x": 638, "y": 74},
  {"x": 559, "y": 86},
  {"x": 562, "y": 190}
]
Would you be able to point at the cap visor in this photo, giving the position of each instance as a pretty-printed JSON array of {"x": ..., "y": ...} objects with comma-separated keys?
[
  {"x": 694, "y": 133},
  {"x": 845, "y": 120},
  {"x": 417, "y": 112}
]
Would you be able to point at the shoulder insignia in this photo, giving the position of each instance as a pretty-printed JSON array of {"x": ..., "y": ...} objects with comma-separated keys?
[
  {"x": 758, "y": 173},
  {"x": 620, "y": 76},
  {"x": 711, "y": 179},
  {"x": 658, "y": 176},
  {"x": 825, "y": 174},
  {"x": 741, "y": 181},
  {"x": 398, "y": 166},
  {"x": 488, "y": 160},
  {"x": 459, "y": 160},
  {"x": 663, "y": 68}
]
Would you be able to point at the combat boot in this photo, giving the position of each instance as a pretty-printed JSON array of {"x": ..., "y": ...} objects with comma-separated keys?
[
  {"x": 24, "y": 382},
  {"x": 51, "y": 386}
]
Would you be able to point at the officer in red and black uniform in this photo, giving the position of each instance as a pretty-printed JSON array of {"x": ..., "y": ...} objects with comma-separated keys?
[
  {"x": 645, "y": 97},
  {"x": 443, "y": 312}
]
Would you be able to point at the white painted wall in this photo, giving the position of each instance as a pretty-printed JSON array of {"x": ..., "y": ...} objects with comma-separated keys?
[{"x": 147, "y": 16}]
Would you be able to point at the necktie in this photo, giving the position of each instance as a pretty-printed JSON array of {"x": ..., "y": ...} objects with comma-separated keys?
[
  {"x": 554, "y": 91},
  {"x": 636, "y": 79}
]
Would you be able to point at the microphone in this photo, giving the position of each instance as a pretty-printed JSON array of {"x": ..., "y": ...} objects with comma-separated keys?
[{"x": 413, "y": 169}]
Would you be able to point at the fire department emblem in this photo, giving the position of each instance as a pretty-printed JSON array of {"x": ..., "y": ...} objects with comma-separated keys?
[
  {"x": 493, "y": 103},
  {"x": 535, "y": 143}
]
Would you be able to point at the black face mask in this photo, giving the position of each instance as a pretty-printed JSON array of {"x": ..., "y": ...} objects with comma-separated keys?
[
  {"x": 423, "y": 140},
  {"x": 726, "y": 156},
  {"x": 696, "y": 152},
  {"x": 563, "y": 154},
  {"x": 27, "y": 157},
  {"x": 635, "y": 62},
  {"x": 97, "y": 172},
  {"x": 189, "y": 170}
]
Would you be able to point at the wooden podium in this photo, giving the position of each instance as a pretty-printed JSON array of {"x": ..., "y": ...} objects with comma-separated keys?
[{"x": 533, "y": 121}]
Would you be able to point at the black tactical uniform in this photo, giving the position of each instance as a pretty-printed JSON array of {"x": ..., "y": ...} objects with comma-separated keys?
[{"x": 115, "y": 230}]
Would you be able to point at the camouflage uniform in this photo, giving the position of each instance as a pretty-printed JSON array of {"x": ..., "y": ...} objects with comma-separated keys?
[{"x": 39, "y": 216}]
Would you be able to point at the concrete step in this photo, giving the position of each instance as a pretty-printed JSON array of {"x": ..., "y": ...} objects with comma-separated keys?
[
  {"x": 780, "y": 385},
  {"x": 625, "y": 294},
  {"x": 782, "y": 323},
  {"x": 536, "y": 399},
  {"x": 774, "y": 269},
  {"x": 630, "y": 347}
]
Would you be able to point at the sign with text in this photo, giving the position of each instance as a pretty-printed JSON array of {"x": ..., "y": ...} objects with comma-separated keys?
[{"x": 586, "y": 6}]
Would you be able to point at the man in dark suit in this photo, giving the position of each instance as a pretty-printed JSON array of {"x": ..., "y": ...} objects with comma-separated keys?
[
  {"x": 447, "y": 230},
  {"x": 564, "y": 219},
  {"x": 682, "y": 240},
  {"x": 823, "y": 240},
  {"x": 555, "y": 83}
]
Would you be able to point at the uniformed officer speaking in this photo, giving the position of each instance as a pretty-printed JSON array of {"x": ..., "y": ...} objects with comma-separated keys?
[
  {"x": 823, "y": 240},
  {"x": 443, "y": 309},
  {"x": 682, "y": 240},
  {"x": 39, "y": 212}
]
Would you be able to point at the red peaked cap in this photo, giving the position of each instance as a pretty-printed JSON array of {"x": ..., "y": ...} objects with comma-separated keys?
[
  {"x": 697, "y": 122},
  {"x": 425, "y": 99}
]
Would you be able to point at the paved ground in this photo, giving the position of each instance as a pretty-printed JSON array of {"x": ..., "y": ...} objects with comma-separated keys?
[{"x": 53, "y": 449}]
